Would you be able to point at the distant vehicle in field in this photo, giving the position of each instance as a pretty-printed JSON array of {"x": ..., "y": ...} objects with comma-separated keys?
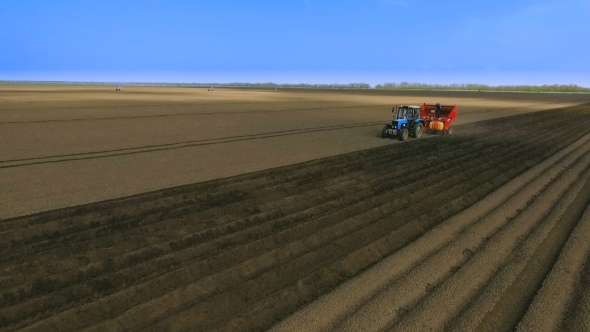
[
  {"x": 407, "y": 121},
  {"x": 118, "y": 88},
  {"x": 415, "y": 120},
  {"x": 210, "y": 88}
]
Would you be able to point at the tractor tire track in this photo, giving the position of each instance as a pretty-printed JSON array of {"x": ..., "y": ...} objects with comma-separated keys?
[
  {"x": 170, "y": 146},
  {"x": 135, "y": 117},
  {"x": 178, "y": 145}
]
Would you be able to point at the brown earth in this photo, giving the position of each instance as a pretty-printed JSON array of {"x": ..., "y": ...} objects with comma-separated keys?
[
  {"x": 64, "y": 146},
  {"x": 486, "y": 229}
]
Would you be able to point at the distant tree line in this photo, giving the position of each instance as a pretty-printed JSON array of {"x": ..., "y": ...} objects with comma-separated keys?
[
  {"x": 483, "y": 87},
  {"x": 286, "y": 85},
  {"x": 200, "y": 85},
  {"x": 385, "y": 86}
]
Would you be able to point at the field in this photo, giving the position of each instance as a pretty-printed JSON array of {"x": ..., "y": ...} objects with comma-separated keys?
[
  {"x": 66, "y": 146},
  {"x": 256, "y": 210}
]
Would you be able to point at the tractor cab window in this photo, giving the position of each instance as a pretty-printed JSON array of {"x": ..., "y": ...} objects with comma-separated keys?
[
  {"x": 407, "y": 113},
  {"x": 402, "y": 113}
]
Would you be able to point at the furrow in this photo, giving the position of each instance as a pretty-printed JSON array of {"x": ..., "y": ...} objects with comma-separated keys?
[
  {"x": 549, "y": 308},
  {"x": 577, "y": 317},
  {"x": 231, "y": 327},
  {"x": 253, "y": 248},
  {"x": 144, "y": 203},
  {"x": 312, "y": 207},
  {"x": 114, "y": 228},
  {"x": 278, "y": 280},
  {"x": 505, "y": 201},
  {"x": 241, "y": 250},
  {"x": 515, "y": 283},
  {"x": 269, "y": 243},
  {"x": 291, "y": 297},
  {"x": 454, "y": 292}
]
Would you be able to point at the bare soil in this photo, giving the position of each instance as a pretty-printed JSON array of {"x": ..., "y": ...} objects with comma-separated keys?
[
  {"x": 486, "y": 229},
  {"x": 65, "y": 146}
]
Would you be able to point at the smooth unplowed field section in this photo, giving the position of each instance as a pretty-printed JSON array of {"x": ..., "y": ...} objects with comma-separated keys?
[
  {"x": 487, "y": 229},
  {"x": 66, "y": 146}
]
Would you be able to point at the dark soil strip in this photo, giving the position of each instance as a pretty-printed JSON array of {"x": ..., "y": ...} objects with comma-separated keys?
[
  {"x": 577, "y": 316},
  {"x": 448, "y": 211}
]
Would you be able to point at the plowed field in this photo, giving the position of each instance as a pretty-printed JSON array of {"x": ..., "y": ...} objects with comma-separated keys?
[
  {"x": 488, "y": 229},
  {"x": 66, "y": 146}
]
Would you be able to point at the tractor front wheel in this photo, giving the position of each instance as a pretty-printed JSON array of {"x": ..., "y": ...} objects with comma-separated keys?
[
  {"x": 384, "y": 132},
  {"x": 418, "y": 130},
  {"x": 403, "y": 134}
]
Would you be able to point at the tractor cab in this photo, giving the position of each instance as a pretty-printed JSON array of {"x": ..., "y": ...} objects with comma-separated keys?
[
  {"x": 407, "y": 121},
  {"x": 407, "y": 112}
]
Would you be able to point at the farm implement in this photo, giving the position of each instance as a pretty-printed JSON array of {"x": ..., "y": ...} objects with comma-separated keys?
[
  {"x": 415, "y": 120},
  {"x": 438, "y": 118}
]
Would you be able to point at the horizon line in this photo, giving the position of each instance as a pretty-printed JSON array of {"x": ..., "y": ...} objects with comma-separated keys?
[{"x": 369, "y": 86}]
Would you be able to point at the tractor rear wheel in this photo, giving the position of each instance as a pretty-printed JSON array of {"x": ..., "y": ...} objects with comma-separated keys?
[
  {"x": 403, "y": 134},
  {"x": 384, "y": 132},
  {"x": 418, "y": 130}
]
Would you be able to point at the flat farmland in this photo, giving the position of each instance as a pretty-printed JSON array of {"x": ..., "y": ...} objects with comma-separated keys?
[
  {"x": 64, "y": 146},
  {"x": 257, "y": 210}
]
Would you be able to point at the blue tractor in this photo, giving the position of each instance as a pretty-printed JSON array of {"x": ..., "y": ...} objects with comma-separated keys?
[{"x": 407, "y": 121}]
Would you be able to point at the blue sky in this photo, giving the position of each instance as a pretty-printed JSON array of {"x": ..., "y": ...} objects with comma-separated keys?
[{"x": 372, "y": 41}]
